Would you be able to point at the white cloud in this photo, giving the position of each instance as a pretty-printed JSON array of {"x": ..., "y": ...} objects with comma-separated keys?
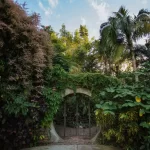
[
  {"x": 47, "y": 11},
  {"x": 83, "y": 21},
  {"x": 144, "y": 2},
  {"x": 102, "y": 9},
  {"x": 70, "y": 1},
  {"x": 53, "y": 3}
]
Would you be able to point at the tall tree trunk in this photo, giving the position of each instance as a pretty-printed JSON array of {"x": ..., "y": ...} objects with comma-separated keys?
[
  {"x": 110, "y": 67},
  {"x": 130, "y": 46},
  {"x": 105, "y": 64},
  {"x": 133, "y": 60},
  {"x": 117, "y": 70},
  {"x": 134, "y": 64}
]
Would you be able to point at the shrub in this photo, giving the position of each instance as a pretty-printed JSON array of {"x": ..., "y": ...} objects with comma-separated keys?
[
  {"x": 25, "y": 53},
  {"x": 124, "y": 114}
]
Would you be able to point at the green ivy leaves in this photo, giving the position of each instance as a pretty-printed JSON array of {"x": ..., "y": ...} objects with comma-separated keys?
[
  {"x": 53, "y": 99},
  {"x": 18, "y": 105}
]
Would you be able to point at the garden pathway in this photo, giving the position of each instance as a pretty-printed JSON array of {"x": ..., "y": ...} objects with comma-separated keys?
[{"x": 73, "y": 147}]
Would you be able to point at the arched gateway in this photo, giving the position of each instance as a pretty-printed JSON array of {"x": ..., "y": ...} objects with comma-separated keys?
[{"x": 71, "y": 122}]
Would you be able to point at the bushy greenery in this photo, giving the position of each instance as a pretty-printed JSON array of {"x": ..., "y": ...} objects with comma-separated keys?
[
  {"x": 23, "y": 58},
  {"x": 31, "y": 85},
  {"x": 57, "y": 80},
  {"x": 124, "y": 114}
]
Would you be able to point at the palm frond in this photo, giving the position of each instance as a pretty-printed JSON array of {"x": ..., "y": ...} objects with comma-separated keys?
[
  {"x": 122, "y": 10},
  {"x": 142, "y": 29},
  {"x": 145, "y": 11}
]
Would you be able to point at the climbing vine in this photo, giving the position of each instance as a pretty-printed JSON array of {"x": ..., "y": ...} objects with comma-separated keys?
[{"x": 57, "y": 80}]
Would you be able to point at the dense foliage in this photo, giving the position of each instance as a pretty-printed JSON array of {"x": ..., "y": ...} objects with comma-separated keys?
[
  {"x": 119, "y": 36},
  {"x": 57, "y": 80},
  {"x": 124, "y": 113},
  {"x": 23, "y": 57},
  {"x": 75, "y": 52},
  {"x": 37, "y": 64}
]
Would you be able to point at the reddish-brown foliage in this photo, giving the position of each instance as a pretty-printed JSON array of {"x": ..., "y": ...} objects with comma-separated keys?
[{"x": 25, "y": 52}]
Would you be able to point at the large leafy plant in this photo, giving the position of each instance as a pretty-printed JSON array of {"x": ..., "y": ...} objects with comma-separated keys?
[
  {"x": 25, "y": 52},
  {"x": 124, "y": 114}
]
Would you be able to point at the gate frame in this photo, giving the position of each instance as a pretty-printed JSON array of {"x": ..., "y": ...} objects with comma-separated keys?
[{"x": 54, "y": 137}]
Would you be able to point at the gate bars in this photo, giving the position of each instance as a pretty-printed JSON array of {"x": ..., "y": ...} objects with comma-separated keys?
[{"x": 77, "y": 117}]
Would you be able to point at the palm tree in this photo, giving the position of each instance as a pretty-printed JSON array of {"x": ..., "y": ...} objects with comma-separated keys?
[
  {"x": 111, "y": 46},
  {"x": 122, "y": 31}
]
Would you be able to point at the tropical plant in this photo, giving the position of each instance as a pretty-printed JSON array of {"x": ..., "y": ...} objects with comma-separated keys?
[
  {"x": 121, "y": 31},
  {"x": 123, "y": 113}
]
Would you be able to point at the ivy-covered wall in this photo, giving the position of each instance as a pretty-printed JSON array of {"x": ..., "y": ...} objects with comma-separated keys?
[{"x": 57, "y": 80}]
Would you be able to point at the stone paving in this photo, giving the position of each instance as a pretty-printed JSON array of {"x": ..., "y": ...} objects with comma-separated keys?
[
  {"x": 73, "y": 143},
  {"x": 73, "y": 147}
]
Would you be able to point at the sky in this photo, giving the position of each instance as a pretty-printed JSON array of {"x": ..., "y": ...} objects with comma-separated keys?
[{"x": 74, "y": 13}]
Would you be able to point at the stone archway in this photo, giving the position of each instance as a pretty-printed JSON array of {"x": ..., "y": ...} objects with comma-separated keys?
[
  {"x": 78, "y": 90},
  {"x": 54, "y": 135}
]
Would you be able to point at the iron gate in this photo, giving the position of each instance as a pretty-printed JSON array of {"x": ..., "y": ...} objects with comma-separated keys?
[{"x": 75, "y": 119}]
